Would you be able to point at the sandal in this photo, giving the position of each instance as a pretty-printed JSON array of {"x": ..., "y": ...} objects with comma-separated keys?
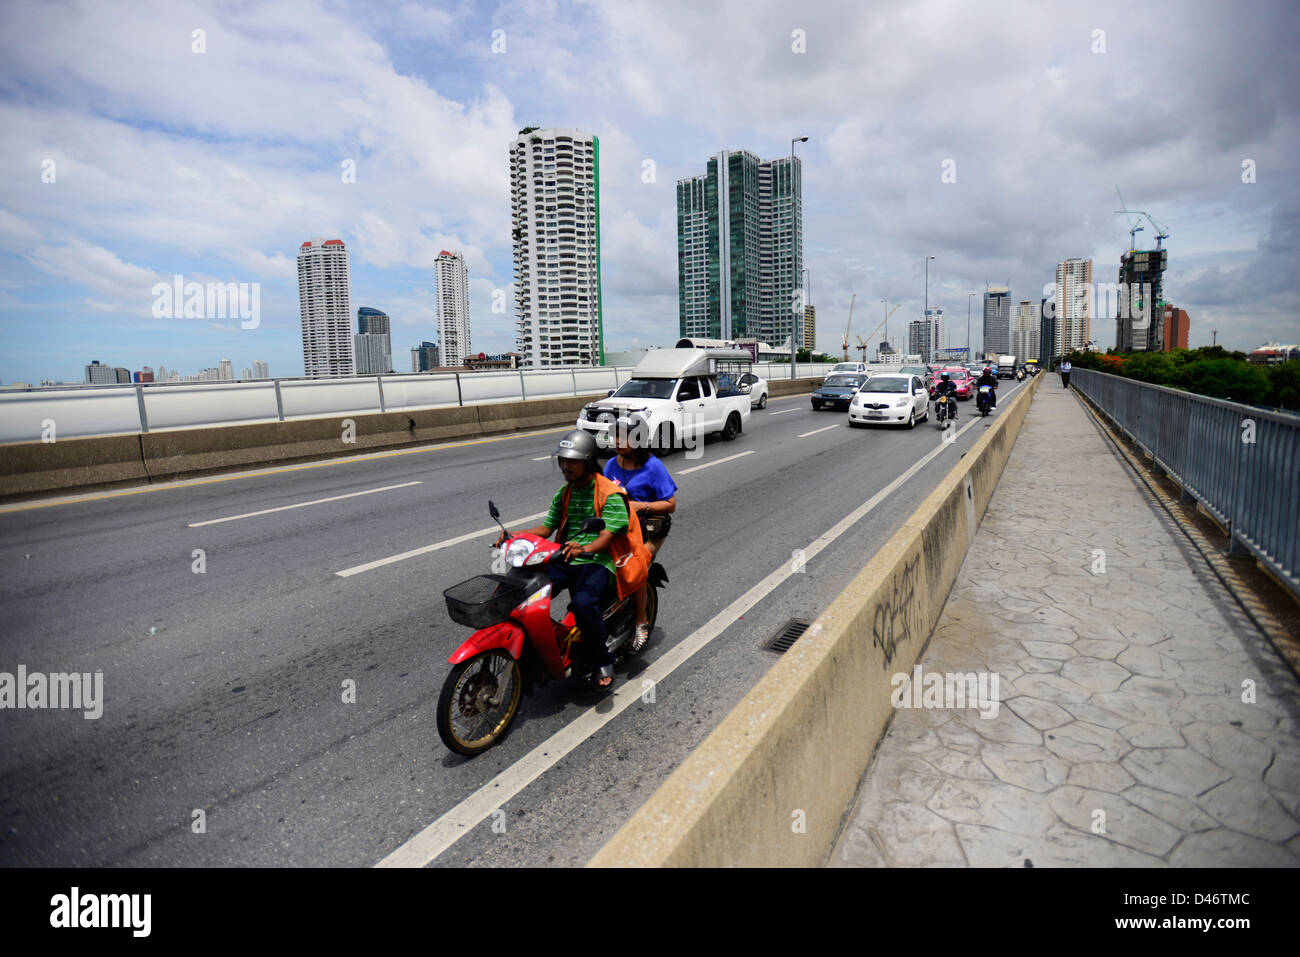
[{"x": 640, "y": 638}]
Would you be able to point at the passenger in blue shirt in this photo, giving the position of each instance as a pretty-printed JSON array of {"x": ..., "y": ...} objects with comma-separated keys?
[{"x": 653, "y": 495}]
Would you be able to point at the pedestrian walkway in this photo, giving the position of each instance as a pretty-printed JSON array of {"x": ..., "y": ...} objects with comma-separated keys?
[{"x": 1142, "y": 719}]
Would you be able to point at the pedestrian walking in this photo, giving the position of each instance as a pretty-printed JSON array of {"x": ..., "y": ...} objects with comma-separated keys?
[{"x": 1065, "y": 374}]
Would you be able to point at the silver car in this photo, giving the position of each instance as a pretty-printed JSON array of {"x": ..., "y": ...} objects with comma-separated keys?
[{"x": 890, "y": 399}]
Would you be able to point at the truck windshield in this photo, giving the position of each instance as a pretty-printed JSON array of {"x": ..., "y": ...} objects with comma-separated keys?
[{"x": 646, "y": 389}]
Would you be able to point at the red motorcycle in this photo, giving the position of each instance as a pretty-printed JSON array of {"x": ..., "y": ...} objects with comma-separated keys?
[{"x": 516, "y": 645}]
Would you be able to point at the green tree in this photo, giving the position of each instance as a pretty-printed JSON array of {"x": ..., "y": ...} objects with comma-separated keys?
[
  {"x": 1284, "y": 385},
  {"x": 1227, "y": 379},
  {"x": 1160, "y": 368}
]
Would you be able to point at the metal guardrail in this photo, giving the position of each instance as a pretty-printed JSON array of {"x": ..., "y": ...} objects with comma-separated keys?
[
  {"x": 82, "y": 411},
  {"x": 1241, "y": 463}
]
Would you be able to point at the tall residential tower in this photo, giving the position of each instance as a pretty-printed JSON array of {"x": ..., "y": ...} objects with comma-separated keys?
[
  {"x": 1073, "y": 305},
  {"x": 740, "y": 250},
  {"x": 453, "y": 307},
  {"x": 555, "y": 210},
  {"x": 325, "y": 302}
]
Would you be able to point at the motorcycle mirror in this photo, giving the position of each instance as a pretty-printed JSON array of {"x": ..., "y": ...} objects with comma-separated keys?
[{"x": 493, "y": 510}]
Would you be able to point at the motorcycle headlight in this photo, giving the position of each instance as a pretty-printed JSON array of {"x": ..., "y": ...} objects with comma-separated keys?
[{"x": 518, "y": 552}]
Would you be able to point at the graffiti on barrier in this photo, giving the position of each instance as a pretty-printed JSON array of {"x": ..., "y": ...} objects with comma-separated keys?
[{"x": 891, "y": 623}]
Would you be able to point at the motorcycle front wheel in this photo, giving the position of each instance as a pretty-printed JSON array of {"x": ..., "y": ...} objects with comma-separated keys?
[{"x": 479, "y": 700}]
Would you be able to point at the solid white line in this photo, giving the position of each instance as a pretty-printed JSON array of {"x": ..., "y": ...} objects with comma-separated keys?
[
  {"x": 378, "y": 563},
  {"x": 815, "y": 431},
  {"x": 285, "y": 508},
  {"x": 429, "y": 843},
  {"x": 783, "y": 412},
  {"x": 738, "y": 455},
  {"x": 541, "y": 458}
]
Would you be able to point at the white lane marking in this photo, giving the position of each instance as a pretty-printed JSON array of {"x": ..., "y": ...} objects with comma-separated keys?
[
  {"x": 380, "y": 562},
  {"x": 738, "y": 455},
  {"x": 815, "y": 431},
  {"x": 431, "y": 842},
  {"x": 285, "y": 508},
  {"x": 783, "y": 412},
  {"x": 541, "y": 458}
]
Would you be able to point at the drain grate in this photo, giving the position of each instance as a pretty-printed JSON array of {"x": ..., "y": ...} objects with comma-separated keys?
[{"x": 787, "y": 635}]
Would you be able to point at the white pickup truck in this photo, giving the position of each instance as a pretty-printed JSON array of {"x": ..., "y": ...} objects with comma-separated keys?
[{"x": 681, "y": 394}]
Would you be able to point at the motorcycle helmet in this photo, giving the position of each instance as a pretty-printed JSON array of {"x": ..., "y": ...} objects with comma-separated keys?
[
  {"x": 579, "y": 444},
  {"x": 944, "y": 377}
]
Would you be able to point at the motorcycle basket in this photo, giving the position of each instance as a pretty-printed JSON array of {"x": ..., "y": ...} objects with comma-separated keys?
[{"x": 483, "y": 600}]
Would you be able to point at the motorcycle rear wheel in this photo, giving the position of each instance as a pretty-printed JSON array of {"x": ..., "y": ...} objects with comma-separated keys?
[{"x": 476, "y": 706}]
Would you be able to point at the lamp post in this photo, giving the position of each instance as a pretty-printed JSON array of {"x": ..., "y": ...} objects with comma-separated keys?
[
  {"x": 968, "y": 299},
  {"x": 794, "y": 247},
  {"x": 929, "y": 331},
  {"x": 886, "y": 339}
]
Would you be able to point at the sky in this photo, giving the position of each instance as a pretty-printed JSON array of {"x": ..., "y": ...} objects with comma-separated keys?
[{"x": 210, "y": 140}]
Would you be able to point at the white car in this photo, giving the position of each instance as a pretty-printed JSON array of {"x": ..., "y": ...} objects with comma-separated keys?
[
  {"x": 891, "y": 399},
  {"x": 757, "y": 390},
  {"x": 858, "y": 368}
]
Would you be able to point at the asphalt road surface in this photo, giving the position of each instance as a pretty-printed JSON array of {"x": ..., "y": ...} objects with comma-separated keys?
[{"x": 224, "y": 688}]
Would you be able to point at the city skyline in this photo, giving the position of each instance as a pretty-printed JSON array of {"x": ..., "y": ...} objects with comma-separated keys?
[{"x": 185, "y": 166}]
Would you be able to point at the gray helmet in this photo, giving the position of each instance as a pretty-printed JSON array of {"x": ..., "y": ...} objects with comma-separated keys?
[{"x": 579, "y": 444}]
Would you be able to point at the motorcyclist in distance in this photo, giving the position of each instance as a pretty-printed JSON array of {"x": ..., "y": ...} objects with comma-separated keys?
[
  {"x": 946, "y": 387},
  {"x": 988, "y": 378}
]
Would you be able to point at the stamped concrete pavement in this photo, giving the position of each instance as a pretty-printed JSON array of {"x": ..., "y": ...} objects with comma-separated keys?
[{"x": 1141, "y": 718}]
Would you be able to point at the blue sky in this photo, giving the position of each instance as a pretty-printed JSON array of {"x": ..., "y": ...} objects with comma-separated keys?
[{"x": 218, "y": 164}]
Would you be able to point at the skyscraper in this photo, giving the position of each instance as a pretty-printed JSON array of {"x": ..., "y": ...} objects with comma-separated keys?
[
  {"x": 1073, "y": 305},
  {"x": 260, "y": 369},
  {"x": 372, "y": 322},
  {"x": 325, "y": 302},
  {"x": 925, "y": 336},
  {"x": 452, "y": 298},
  {"x": 373, "y": 344},
  {"x": 810, "y": 328},
  {"x": 555, "y": 211},
  {"x": 997, "y": 320},
  {"x": 1025, "y": 331},
  {"x": 1139, "y": 325},
  {"x": 739, "y": 249},
  {"x": 424, "y": 357},
  {"x": 227, "y": 370}
]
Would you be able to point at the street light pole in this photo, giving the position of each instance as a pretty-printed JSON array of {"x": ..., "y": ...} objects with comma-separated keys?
[
  {"x": 886, "y": 339},
  {"x": 794, "y": 247},
  {"x": 968, "y": 299},
  {"x": 929, "y": 330}
]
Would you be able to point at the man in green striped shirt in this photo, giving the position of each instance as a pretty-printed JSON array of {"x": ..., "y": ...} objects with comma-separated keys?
[{"x": 588, "y": 571}]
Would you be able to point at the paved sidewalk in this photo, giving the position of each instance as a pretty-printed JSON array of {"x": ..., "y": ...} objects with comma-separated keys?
[{"x": 1122, "y": 737}]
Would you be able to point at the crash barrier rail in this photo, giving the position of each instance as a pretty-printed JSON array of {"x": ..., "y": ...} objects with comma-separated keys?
[
  {"x": 1240, "y": 463},
  {"x": 90, "y": 410},
  {"x": 771, "y": 784},
  {"x": 60, "y": 464}
]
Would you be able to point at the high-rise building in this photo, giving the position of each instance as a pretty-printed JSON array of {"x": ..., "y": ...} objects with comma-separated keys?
[
  {"x": 424, "y": 357},
  {"x": 1073, "y": 305},
  {"x": 325, "y": 302},
  {"x": 997, "y": 320},
  {"x": 162, "y": 373},
  {"x": 227, "y": 370},
  {"x": 925, "y": 336},
  {"x": 372, "y": 353},
  {"x": 373, "y": 322},
  {"x": 1138, "y": 325},
  {"x": 1046, "y": 334},
  {"x": 555, "y": 213},
  {"x": 740, "y": 249},
  {"x": 245, "y": 374},
  {"x": 260, "y": 369},
  {"x": 1176, "y": 325},
  {"x": 452, "y": 297},
  {"x": 810, "y": 328},
  {"x": 1023, "y": 339}
]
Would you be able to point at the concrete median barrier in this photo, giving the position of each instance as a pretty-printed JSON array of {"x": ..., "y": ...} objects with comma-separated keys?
[
  {"x": 770, "y": 785},
  {"x": 535, "y": 414},
  {"x": 777, "y": 387},
  {"x": 31, "y": 467}
]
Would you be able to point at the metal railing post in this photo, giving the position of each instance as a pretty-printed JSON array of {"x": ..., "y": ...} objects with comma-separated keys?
[
  {"x": 460, "y": 399},
  {"x": 574, "y": 376},
  {"x": 279, "y": 401},
  {"x": 379, "y": 381},
  {"x": 523, "y": 391},
  {"x": 1234, "y": 507},
  {"x": 139, "y": 399}
]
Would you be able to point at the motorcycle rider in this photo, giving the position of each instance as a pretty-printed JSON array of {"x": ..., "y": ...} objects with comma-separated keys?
[
  {"x": 588, "y": 569},
  {"x": 946, "y": 387},
  {"x": 988, "y": 378}
]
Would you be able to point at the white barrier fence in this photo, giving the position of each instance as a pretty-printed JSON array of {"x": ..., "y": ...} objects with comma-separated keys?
[{"x": 33, "y": 414}]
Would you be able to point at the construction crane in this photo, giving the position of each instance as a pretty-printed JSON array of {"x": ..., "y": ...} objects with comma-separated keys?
[
  {"x": 1162, "y": 232},
  {"x": 1132, "y": 229},
  {"x": 862, "y": 343},
  {"x": 847, "y": 326}
]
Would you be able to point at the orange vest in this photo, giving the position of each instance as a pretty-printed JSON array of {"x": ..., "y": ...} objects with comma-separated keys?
[{"x": 631, "y": 557}]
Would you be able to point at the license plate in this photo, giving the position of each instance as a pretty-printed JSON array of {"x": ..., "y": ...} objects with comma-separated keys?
[{"x": 875, "y": 415}]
